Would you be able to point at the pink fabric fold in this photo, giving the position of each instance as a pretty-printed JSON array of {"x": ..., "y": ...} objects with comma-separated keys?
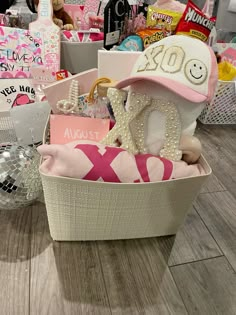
[{"x": 90, "y": 160}]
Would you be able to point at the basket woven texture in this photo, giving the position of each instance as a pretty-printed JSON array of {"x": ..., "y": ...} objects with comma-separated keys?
[
  {"x": 80, "y": 210},
  {"x": 85, "y": 210},
  {"x": 222, "y": 109},
  {"x": 7, "y": 130}
]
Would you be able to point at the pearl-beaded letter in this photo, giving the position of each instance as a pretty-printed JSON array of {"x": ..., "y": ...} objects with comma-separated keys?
[{"x": 121, "y": 130}]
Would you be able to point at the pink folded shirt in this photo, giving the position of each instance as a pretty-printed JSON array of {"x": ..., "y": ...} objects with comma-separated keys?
[{"x": 90, "y": 160}]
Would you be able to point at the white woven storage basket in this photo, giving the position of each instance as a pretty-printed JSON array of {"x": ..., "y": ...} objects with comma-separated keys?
[
  {"x": 7, "y": 130},
  {"x": 222, "y": 109},
  {"x": 80, "y": 210}
]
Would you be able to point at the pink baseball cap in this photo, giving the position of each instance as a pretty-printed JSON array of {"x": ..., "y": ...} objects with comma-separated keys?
[{"x": 183, "y": 64}]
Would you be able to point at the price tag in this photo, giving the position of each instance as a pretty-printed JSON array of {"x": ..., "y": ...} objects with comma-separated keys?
[{"x": 112, "y": 38}]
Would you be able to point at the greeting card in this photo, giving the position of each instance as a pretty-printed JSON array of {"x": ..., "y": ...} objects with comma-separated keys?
[
  {"x": 76, "y": 13},
  {"x": 65, "y": 129}
]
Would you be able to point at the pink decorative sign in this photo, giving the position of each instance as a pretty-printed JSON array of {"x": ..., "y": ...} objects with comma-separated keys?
[
  {"x": 76, "y": 13},
  {"x": 51, "y": 36},
  {"x": 65, "y": 129},
  {"x": 19, "y": 50},
  {"x": 90, "y": 9}
]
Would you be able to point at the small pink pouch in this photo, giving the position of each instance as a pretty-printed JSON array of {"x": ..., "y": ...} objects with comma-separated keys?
[{"x": 97, "y": 162}]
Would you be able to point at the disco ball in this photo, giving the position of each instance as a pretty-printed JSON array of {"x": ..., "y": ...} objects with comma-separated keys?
[{"x": 20, "y": 182}]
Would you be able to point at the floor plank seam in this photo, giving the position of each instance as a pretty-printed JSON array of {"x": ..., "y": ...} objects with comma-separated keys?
[
  {"x": 198, "y": 260},
  {"x": 204, "y": 223},
  {"x": 103, "y": 277},
  {"x": 230, "y": 264},
  {"x": 134, "y": 279},
  {"x": 178, "y": 291},
  {"x": 212, "y": 192},
  {"x": 215, "y": 239},
  {"x": 209, "y": 231}
]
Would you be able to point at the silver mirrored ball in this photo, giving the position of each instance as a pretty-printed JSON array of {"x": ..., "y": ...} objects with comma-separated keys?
[{"x": 20, "y": 182}]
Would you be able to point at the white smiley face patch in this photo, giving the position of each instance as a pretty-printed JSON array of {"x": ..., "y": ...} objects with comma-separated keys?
[{"x": 196, "y": 71}]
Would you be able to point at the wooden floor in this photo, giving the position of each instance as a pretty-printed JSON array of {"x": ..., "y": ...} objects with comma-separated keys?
[{"x": 192, "y": 273}]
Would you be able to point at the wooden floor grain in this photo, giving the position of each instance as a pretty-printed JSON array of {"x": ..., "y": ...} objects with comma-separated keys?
[
  {"x": 218, "y": 210},
  {"x": 193, "y": 242},
  {"x": 66, "y": 277},
  {"x": 15, "y": 227},
  {"x": 219, "y": 146},
  {"x": 207, "y": 286},
  {"x": 138, "y": 279},
  {"x": 191, "y": 273},
  {"x": 213, "y": 184}
]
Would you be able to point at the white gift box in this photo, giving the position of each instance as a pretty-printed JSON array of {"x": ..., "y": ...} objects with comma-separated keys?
[{"x": 116, "y": 65}]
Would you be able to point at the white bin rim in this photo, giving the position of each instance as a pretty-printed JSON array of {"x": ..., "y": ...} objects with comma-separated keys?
[{"x": 202, "y": 161}]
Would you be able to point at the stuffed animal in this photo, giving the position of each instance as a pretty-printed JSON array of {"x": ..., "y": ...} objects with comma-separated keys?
[{"x": 60, "y": 17}]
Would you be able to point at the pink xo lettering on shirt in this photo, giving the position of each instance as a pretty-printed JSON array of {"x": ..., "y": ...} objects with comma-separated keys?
[
  {"x": 101, "y": 162},
  {"x": 141, "y": 161}
]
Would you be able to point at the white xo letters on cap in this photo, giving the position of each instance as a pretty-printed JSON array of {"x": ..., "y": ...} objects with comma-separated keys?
[
  {"x": 171, "y": 60},
  {"x": 151, "y": 63},
  {"x": 184, "y": 65}
]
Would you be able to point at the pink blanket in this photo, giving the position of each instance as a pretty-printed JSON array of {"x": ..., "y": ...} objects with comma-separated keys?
[{"x": 97, "y": 162}]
